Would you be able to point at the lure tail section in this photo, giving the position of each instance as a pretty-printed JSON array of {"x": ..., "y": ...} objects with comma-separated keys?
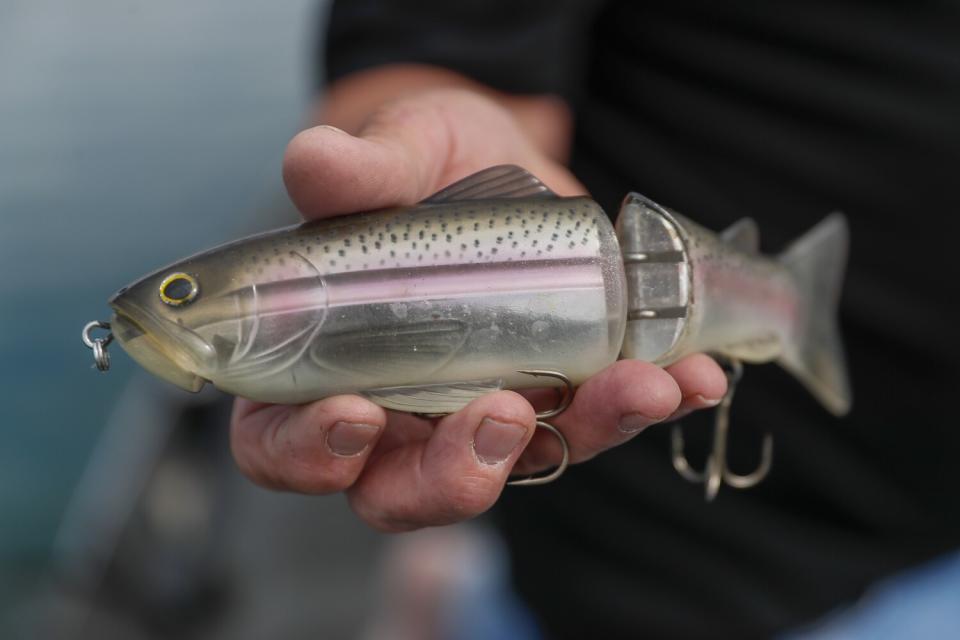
[
  {"x": 817, "y": 261},
  {"x": 690, "y": 289}
]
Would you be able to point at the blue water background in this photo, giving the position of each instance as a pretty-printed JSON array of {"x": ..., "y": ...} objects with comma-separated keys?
[{"x": 131, "y": 133}]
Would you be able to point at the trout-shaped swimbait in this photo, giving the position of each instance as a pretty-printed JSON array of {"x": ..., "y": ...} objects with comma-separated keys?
[{"x": 427, "y": 307}]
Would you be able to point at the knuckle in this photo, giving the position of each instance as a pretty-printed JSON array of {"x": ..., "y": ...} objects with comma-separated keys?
[
  {"x": 248, "y": 469},
  {"x": 645, "y": 388},
  {"x": 597, "y": 442},
  {"x": 309, "y": 477},
  {"x": 249, "y": 457},
  {"x": 266, "y": 481},
  {"x": 374, "y": 517},
  {"x": 252, "y": 467},
  {"x": 398, "y": 110},
  {"x": 302, "y": 469}
]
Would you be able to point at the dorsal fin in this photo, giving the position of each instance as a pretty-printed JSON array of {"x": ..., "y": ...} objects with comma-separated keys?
[
  {"x": 501, "y": 181},
  {"x": 743, "y": 235}
]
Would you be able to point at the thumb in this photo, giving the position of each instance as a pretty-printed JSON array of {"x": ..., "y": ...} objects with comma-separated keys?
[
  {"x": 408, "y": 150},
  {"x": 398, "y": 158}
]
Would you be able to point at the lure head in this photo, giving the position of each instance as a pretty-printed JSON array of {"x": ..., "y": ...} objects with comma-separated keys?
[
  {"x": 230, "y": 315},
  {"x": 152, "y": 320},
  {"x": 160, "y": 319}
]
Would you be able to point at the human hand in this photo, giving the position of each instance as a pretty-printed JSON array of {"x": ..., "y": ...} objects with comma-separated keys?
[{"x": 399, "y": 471}]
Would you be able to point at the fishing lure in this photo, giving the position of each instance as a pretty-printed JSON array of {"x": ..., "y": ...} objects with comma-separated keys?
[{"x": 492, "y": 283}]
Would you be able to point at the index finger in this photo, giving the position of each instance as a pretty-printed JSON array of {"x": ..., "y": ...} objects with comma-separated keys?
[{"x": 320, "y": 447}]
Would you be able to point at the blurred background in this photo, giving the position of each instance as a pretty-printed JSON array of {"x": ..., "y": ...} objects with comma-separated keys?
[{"x": 132, "y": 133}]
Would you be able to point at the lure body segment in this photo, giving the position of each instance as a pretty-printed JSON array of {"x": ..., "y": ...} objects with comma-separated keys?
[
  {"x": 425, "y": 308},
  {"x": 421, "y": 308}
]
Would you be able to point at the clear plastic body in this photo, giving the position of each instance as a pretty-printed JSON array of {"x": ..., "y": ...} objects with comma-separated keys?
[{"x": 435, "y": 300}]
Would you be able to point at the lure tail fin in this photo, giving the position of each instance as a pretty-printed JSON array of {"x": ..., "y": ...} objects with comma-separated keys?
[{"x": 818, "y": 261}]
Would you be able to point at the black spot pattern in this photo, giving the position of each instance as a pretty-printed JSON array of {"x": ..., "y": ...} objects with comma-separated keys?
[{"x": 467, "y": 233}]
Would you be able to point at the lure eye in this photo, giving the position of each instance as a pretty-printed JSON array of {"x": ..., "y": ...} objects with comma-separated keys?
[{"x": 178, "y": 289}]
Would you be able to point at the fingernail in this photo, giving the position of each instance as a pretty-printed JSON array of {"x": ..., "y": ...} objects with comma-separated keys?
[
  {"x": 702, "y": 402},
  {"x": 332, "y": 128},
  {"x": 495, "y": 441},
  {"x": 348, "y": 439},
  {"x": 633, "y": 422}
]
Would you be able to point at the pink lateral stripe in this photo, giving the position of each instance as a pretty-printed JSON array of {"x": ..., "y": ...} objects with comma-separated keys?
[{"x": 462, "y": 281}]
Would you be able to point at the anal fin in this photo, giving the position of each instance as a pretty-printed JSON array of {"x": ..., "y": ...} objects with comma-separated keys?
[
  {"x": 757, "y": 350},
  {"x": 433, "y": 398}
]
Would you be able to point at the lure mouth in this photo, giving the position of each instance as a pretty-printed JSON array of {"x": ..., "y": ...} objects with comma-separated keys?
[{"x": 164, "y": 348}]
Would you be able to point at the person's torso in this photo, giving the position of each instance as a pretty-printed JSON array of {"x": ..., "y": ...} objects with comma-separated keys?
[{"x": 782, "y": 112}]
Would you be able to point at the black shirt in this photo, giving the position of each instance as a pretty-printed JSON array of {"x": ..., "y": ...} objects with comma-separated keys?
[{"x": 782, "y": 111}]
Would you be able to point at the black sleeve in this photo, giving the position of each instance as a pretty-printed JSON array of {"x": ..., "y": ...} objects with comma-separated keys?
[{"x": 520, "y": 46}]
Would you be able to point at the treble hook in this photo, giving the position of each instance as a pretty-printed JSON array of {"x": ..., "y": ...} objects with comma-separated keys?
[
  {"x": 565, "y": 401},
  {"x": 716, "y": 471},
  {"x": 541, "y": 423}
]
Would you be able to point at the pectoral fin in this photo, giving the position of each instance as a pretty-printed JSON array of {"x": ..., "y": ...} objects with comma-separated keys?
[
  {"x": 225, "y": 349},
  {"x": 417, "y": 348}
]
